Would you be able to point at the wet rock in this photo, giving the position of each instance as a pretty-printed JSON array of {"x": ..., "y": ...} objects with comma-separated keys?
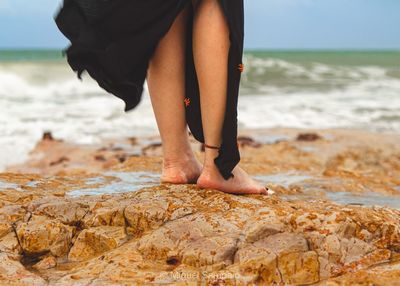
[
  {"x": 100, "y": 158},
  {"x": 308, "y": 137},
  {"x": 94, "y": 241},
  {"x": 152, "y": 149},
  {"x": 59, "y": 161},
  {"x": 247, "y": 141},
  {"x": 133, "y": 140},
  {"x": 47, "y": 136}
]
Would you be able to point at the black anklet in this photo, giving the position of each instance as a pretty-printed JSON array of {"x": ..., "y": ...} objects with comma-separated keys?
[{"x": 211, "y": 147}]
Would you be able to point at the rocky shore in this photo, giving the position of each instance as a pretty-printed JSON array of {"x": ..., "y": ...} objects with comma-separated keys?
[{"x": 97, "y": 215}]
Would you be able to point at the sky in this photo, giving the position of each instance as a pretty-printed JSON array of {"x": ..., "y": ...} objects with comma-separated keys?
[{"x": 269, "y": 24}]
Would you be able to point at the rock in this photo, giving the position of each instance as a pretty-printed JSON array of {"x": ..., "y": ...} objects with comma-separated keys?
[
  {"x": 354, "y": 249},
  {"x": 97, "y": 240},
  {"x": 299, "y": 268},
  {"x": 41, "y": 235},
  {"x": 173, "y": 238},
  {"x": 308, "y": 137},
  {"x": 285, "y": 242},
  {"x": 184, "y": 235},
  {"x": 9, "y": 244},
  {"x": 105, "y": 216},
  {"x": 5, "y": 228},
  {"x": 256, "y": 266},
  {"x": 148, "y": 213},
  {"x": 12, "y": 272},
  {"x": 47, "y": 136},
  {"x": 179, "y": 229},
  {"x": 264, "y": 223},
  {"x": 146, "y": 216},
  {"x": 68, "y": 212},
  {"x": 247, "y": 141},
  {"x": 218, "y": 251},
  {"x": 46, "y": 263}
]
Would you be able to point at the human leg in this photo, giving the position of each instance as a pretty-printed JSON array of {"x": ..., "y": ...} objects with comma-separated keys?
[
  {"x": 210, "y": 50},
  {"x": 166, "y": 82}
]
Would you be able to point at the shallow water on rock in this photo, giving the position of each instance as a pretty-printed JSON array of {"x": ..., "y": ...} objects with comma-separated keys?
[
  {"x": 124, "y": 182},
  {"x": 121, "y": 182},
  {"x": 271, "y": 138},
  {"x": 6, "y": 185},
  {"x": 312, "y": 192},
  {"x": 283, "y": 179},
  {"x": 366, "y": 199}
]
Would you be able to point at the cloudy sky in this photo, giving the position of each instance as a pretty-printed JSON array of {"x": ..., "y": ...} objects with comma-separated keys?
[{"x": 272, "y": 24}]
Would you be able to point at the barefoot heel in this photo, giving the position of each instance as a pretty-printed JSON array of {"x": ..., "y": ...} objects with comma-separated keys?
[{"x": 217, "y": 148}]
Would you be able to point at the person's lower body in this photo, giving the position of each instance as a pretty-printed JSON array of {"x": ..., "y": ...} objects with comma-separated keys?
[{"x": 166, "y": 82}]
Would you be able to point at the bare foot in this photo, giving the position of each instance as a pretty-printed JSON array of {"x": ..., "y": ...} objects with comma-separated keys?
[
  {"x": 241, "y": 183},
  {"x": 185, "y": 170}
]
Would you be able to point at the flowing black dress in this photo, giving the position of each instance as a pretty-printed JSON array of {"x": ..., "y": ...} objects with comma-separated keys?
[{"x": 113, "y": 40}]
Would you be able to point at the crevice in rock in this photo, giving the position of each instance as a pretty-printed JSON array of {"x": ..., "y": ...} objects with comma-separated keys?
[{"x": 14, "y": 228}]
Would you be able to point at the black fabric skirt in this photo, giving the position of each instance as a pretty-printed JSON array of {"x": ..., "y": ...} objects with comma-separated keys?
[{"x": 113, "y": 40}]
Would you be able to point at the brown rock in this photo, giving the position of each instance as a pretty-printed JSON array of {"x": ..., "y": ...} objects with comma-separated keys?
[
  {"x": 148, "y": 215},
  {"x": 94, "y": 241},
  {"x": 12, "y": 272},
  {"x": 41, "y": 235},
  {"x": 299, "y": 268},
  {"x": 218, "y": 251},
  {"x": 183, "y": 235},
  {"x": 46, "y": 263},
  {"x": 308, "y": 137},
  {"x": 47, "y": 136},
  {"x": 9, "y": 244},
  {"x": 68, "y": 212},
  {"x": 354, "y": 249},
  {"x": 283, "y": 243},
  {"x": 105, "y": 216}
]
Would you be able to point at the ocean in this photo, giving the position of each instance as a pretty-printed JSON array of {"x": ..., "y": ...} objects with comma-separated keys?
[{"x": 303, "y": 89}]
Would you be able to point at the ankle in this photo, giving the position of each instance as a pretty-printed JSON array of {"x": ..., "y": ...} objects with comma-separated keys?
[
  {"x": 178, "y": 158},
  {"x": 175, "y": 159},
  {"x": 209, "y": 157},
  {"x": 177, "y": 152},
  {"x": 209, "y": 166}
]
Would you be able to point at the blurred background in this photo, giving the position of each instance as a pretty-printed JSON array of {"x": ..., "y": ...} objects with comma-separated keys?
[{"x": 309, "y": 64}]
